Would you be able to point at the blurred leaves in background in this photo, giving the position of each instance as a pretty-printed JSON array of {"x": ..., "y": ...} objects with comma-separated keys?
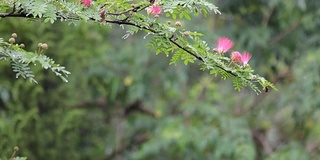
[{"x": 123, "y": 102}]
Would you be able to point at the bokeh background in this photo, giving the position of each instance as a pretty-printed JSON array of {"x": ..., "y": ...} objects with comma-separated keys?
[{"x": 123, "y": 101}]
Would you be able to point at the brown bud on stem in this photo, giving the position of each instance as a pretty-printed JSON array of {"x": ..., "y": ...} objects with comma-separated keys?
[
  {"x": 14, "y": 35},
  {"x": 12, "y": 40},
  {"x": 178, "y": 24},
  {"x": 44, "y": 46},
  {"x": 186, "y": 33},
  {"x": 16, "y": 148}
]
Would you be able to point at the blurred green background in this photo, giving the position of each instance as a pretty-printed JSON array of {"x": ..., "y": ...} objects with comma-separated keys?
[{"x": 124, "y": 102}]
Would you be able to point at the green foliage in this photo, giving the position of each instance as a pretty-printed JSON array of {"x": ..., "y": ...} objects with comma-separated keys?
[
  {"x": 220, "y": 137},
  {"x": 185, "y": 8},
  {"x": 22, "y": 59},
  {"x": 13, "y": 156},
  {"x": 122, "y": 102},
  {"x": 166, "y": 38},
  {"x": 293, "y": 151}
]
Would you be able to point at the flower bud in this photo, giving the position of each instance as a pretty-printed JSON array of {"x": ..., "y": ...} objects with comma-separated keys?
[
  {"x": 87, "y": 3},
  {"x": 14, "y": 35},
  {"x": 236, "y": 56},
  {"x": 103, "y": 15},
  {"x": 186, "y": 33},
  {"x": 169, "y": 22},
  {"x": 156, "y": 16},
  {"x": 39, "y": 45},
  {"x": 22, "y": 45},
  {"x": 12, "y": 40},
  {"x": 178, "y": 24},
  {"x": 44, "y": 46},
  {"x": 16, "y": 148}
]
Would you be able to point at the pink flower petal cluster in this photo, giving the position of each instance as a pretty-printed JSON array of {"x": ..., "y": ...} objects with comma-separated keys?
[
  {"x": 224, "y": 44},
  {"x": 155, "y": 10},
  {"x": 103, "y": 15},
  {"x": 246, "y": 56},
  {"x": 243, "y": 58},
  {"x": 236, "y": 57},
  {"x": 87, "y": 3}
]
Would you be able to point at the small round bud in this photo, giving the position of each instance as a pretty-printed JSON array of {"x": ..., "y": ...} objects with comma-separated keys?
[
  {"x": 178, "y": 24},
  {"x": 128, "y": 80},
  {"x": 16, "y": 149},
  {"x": 186, "y": 33},
  {"x": 156, "y": 16},
  {"x": 22, "y": 45},
  {"x": 44, "y": 46},
  {"x": 151, "y": 1},
  {"x": 14, "y": 35},
  {"x": 39, "y": 45},
  {"x": 169, "y": 22},
  {"x": 12, "y": 40}
]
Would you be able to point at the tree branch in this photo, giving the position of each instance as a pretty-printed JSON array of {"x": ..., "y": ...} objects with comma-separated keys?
[
  {"x": 100, "y": 103},
  {"x": 133, "y": 9},
  {"x": 137, "y": 140},
  {"x": 183, "y": 48},
  {"x": 285, "y": 33},
  {"x": 22, "y": 15},
  {"x": 267, "y": 16},
  {"x": 127, "y": 22},
  {"x": 138, "y": 106},
  {"x": 260, "y": 139}
]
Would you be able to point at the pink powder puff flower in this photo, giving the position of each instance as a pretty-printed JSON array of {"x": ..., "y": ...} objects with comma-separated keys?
[
  {"x": 246, "y": 56},
  {"x": 155, "y": 10},
  {"x": 236, "y": 57},
  {"x": 223, "y": 45},
  {"x": 86, "y": 2}
]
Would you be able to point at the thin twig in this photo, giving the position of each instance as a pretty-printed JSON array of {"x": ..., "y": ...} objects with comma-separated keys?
[
  {"x": 267, "y": 17},
  {"x": 263, "y": 142},
  {"x": 133, "y": 9},
  {"x": 137, "y": 106},
  {"x": 137, "y": 140},
  {"x": 285, "y": 33},
  {"x": 22, "y": 15},
  {"x": 183, "y": 48}
]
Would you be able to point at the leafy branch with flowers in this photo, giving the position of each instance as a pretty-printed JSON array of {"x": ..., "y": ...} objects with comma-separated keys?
[{"x": 171, "y": 39}]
